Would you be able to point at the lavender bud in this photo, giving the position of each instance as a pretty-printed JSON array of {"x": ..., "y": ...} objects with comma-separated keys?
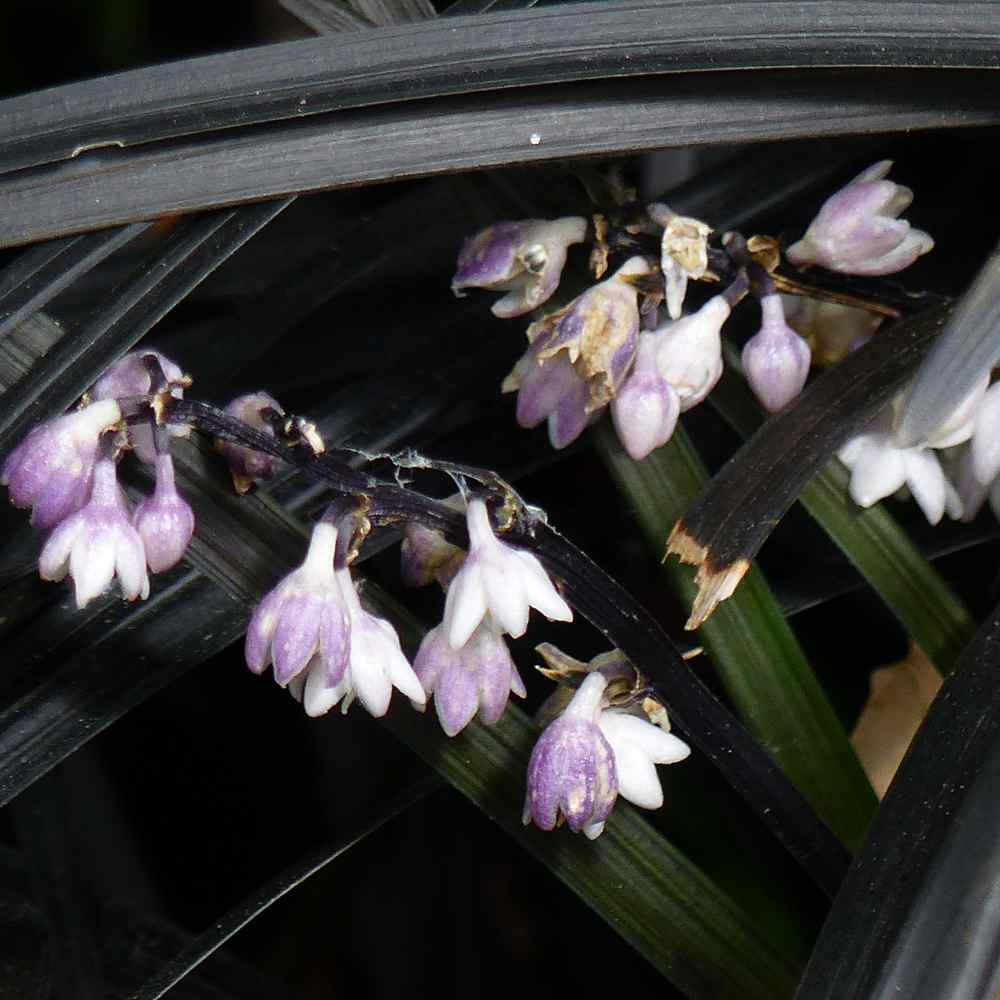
[
  {"x": 165, "y": 521},
  {"x": 646, "y": 408},
  {"x": 776, "y": 359},
  {"x": 857, "y": 231},
  {"x": 479, "y": 676},
  {"x": 129, "y": 376},
  {"x": 524, "y": 259},
  {"x": 51, "y": 470},
  {"x": 97, "y": 543},
  {"x": 500, "y": 580},
  {"x": 571, "y": 774},
  {"x": 247, "y": 465},
  {"x": 304, "y": 620}
]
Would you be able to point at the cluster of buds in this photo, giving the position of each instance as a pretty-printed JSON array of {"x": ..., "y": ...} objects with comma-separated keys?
[
  {"x": 605, "y": 348},
  {"x": 66, "y": 471}
]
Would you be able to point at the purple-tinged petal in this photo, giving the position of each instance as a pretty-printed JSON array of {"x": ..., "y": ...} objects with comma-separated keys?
[
  {"x": 296, "y": 636},
  {"x": 456, "y": 696},
  {"x": 570, "y": 418},
  {"x": 334, "y": 641},
  {"x": 260, "y": 631}
]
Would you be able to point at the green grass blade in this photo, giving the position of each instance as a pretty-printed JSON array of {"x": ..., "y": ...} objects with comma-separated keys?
[
  {"x": 930, "y": 611},
  {"x": 755, "y": 652}
]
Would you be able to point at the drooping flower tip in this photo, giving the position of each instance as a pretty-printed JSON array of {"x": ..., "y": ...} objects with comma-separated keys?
[
  {"x": 646, "y": 409},
  {"x": 858, "y": 231},
  {"x": 304, "y": 620},
  {"x": 247, "y": 465},
  {"x": 639, "y": 746},
  {"x": 51, "y": 470},
  {"x": 498, "y": 579},
  {"x": 571, "y": 773},
  {"x": 478, "y": 677},
  {"x": 524, "y": 259},
  {"x": 776, "y": 359},
  {"x": 97, "y": 543},
  {"x": 165, "y": 521}
]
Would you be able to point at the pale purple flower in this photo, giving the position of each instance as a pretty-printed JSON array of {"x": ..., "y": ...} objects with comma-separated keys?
[
  {"x": 524, "y": 259},
  {"x": 689, "y": 352},
  {"x": 478, "y": 676},
  {"x": 304, "y": 620},
  {"x": 857, "y": 231},
  {"x": 165, "y": 521},
  {"x": 638, "y": 746},
  {"x": 248, "y": 465},
  {"x": 129, "y": 376},
  {"x": 646, "y": 409},
  {"x": 598, "y": 332},
  {"x": 500, "y": 580},
  {"x": 879, "y": 469},
  {"x": 776, "y": 359},
  {"x": 98, "y": 543},
  {"x": 51, "y": 470},
  {"x": 375, "y": 665},
  {"x": 571, "y": 773}
]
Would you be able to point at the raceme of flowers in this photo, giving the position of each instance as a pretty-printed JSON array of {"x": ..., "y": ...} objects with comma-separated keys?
[
  {"x": 607, "y": 347},
  {"x": 312, "y": 630}
]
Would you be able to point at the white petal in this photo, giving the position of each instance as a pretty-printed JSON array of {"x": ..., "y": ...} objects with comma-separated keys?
[
  {"x": 657, "y": 744},
  {"x": 926, "y": 482},
  {"x": 402, "y": 676},
  {"x": 368, "y": 675},
  {"x": 986, "y": 440},
  {"x": 540, "y": 591},
  {"x": 637, "y": 778},
  {"x": 465, "y": 605},
  {"x": 592, "y": 831},
  {"x": 317, "y": 698},
  {"x": 54, "y": 559},
  {"x": 877, "y": 473},
  {"x": 92, "y": 565},
  {"x": 130, "y": 565},
  {"x": 505, "y": 595}
]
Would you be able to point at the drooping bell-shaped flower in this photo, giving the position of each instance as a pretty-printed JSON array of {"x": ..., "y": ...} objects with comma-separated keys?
[
  {"x": 375, "y": 666},
  {"x": 776, "y": 359},
  {"x": 598, "y": 332},
  {"x": 571, "y": 773},
  {"x": 246, "y": 464},
  {"x": 858, "y": 231},
  {"x": 524, "y": 259},
  {"x": 304, "y": 621},
  {"x": 639, "y": 746},
  {"x": 51, "y": 470},
  {"x": 165, "y": 521},
  {"x": 476, "y": 677},
  {"x": 646, "y": 409},
  {"x": 689, "y": 353},
  {"x": 130, "y": 376},
  {"x": 98, "y": 543},
  {"x": 499, "y": 580}
]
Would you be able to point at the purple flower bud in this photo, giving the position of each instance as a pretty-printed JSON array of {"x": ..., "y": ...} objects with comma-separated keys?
[
  {"x": 479, "y": 676},
  {"x": 165, "y": 521},
  {"x": 129, "y": 376},
  {"x": 98, "y": 543},
  {"x": 646, "y": 409},
  {"x": 597, "y": 331},
  {"x": 375, "y": 666},
  {"x": 524, "y": 259},
  {"x": 500, "y": 580},
  {"x": 689, "y": 354},
  {"x": 776, "y": 359},
  {"x": 246, "y": 464},
  {"x": 304, "y": 619},
  {"x": 51, "y": 470},
  {"x": 571, "y": 774},
  {"x": 857, "y": 231}
]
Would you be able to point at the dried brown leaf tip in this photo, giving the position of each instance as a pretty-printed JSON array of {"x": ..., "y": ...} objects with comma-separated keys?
[{"x": 715, "y": 583}]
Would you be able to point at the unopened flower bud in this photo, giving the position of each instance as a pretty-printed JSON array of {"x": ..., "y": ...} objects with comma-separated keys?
[
  {"x": 165, "y": 521},
  {"x": 857, "y": 231},
  {"x": 524, "y": 259},
  {"x": 646, "y": 409},
  {"x": 776, "y": 359},
  {"x": 51, "y": 470},
  {"x": 689, "y": 354}
]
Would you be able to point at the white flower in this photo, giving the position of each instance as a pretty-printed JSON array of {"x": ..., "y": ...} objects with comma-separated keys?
[
  {"x": 498, "y": 579},
  {"x": 986, "y": 439},
  {"x": 375, "y": 666},
  {"x": 638, "y": 747},
  {"x": 97, "y": 543},
  {"x": 689, "y": 355}
]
